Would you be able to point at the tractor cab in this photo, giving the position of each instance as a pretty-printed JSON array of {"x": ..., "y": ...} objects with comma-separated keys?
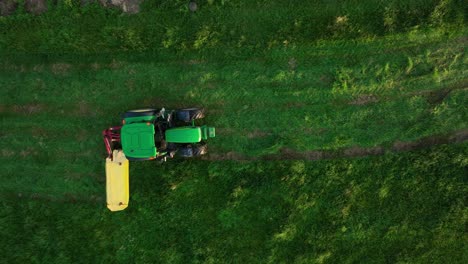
[{"x": 138, "y": 141}]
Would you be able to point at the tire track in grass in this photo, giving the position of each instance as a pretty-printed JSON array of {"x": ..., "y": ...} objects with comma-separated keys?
[
  {"x": 434, "y": 97},
  {"x": 65, "y": 198},
  {"x": 285, "y": 154},
  {"x": 459, "y": 136}
]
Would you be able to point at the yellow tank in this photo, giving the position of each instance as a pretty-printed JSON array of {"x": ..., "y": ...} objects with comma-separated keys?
[{"x": 117, "y": 188}]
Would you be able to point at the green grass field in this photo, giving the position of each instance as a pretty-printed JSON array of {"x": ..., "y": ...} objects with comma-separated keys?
[{"x": 341, "y": 132}]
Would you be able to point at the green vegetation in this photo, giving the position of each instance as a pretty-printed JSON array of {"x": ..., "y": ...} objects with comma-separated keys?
[
  {"x": 275, "y": 77},
  {"x": 248, "y": 26},
  {"x": 410, "y": 209}
]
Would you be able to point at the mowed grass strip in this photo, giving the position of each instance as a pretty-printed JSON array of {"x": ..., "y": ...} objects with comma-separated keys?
[
  {"x": 401, "y": 207},
  {"x": 250, "y": 26},
  {"x": 260, "y": 105}
]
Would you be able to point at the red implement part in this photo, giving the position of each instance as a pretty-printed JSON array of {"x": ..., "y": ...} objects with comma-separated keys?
[{"x": 111, "y": 134}]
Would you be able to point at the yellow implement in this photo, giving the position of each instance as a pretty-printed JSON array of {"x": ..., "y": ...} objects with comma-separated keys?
[{"x": 117, "y": 181}]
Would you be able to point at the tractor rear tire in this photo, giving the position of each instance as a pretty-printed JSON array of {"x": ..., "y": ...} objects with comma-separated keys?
[
  {"x": 199, "y": 149},
  {"x": 185, "y": 152},
  {"x": 190, "y": 114},
  {"x": 193, "y": 150},
  {"x": 140, "y": 112}
]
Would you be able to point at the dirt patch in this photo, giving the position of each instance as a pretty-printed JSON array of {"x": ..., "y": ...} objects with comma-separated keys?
[
  {"x": 327, "y": 79},
  {"x": 257, "y": 134},
  {"x": 7, "y": 7},
  {"x": 127, "y": 6},
  {"x": 130, "y": 85},
  {"x": 195, "y": 62},
  {"x": 292, "y": 64},
  {"x": 95, "y": 66},
  {"x": 318, "y": 155},
  {"x": 60, "y": 68},
  {"x": 115, "y": 64},
  {"x": 404, "y": 146},
  {"x": 232, "y": 155},
  {"x": 35, "y": 7},
  {"x": 210, "y": 85},
  {"x": 294, "y": 105},
  {"x": 291, "y": 154},
  {"x": 225, "y": 131},
  {"x": 361, "y": 152},
  {"x": 192, "y": 6},
  {"x": 28, "y": 109},
  {"x": 84, "y": 109},
  {"x": 131, "y": 71},
  {"x": 131, "y": 6},
  {"x": 38, "y": 68},
  {"x": 462, "y": 40},
  {"x": 459, "y": 136},
  {"x": 419, "y": 144},
  {"x": 7, "y": 153},
  {"x": 436, "y": 97},
  {"x": 38, "y": 132},
  {"x": 288, "y": 153},
  {"x": 235, "y": 156},
  {"x": 364, "y": 99},
  {"x": 28, "y": 152}
]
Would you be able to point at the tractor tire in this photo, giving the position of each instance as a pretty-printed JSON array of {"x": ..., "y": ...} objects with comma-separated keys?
[
  {"x": 199, "y": 149},
  {"x": 185, "y": 152},
  {"x": 190, "y": 114},
  {"x": 193, "y": 150},
  {"x": 163, "y": 145},
  {"x": 171, "y": 149},
  {"x": 140, "y": 112}
]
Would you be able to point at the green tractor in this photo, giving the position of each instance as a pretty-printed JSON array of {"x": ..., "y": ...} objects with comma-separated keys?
[{"x": 150, "y": 134}]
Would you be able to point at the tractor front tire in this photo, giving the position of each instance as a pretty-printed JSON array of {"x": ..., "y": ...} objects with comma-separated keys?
[
  {"x": 140, "y": 112},
  {"x": 190, "y": 114}
]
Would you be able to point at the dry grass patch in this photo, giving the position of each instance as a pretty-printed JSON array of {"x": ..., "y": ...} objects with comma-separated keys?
[
  {"x": 364, "y": 99},
  {"x": 60, "y": 68},
  {"x": 258, "y": 134},
  {"x": 28, "y": 109}
]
